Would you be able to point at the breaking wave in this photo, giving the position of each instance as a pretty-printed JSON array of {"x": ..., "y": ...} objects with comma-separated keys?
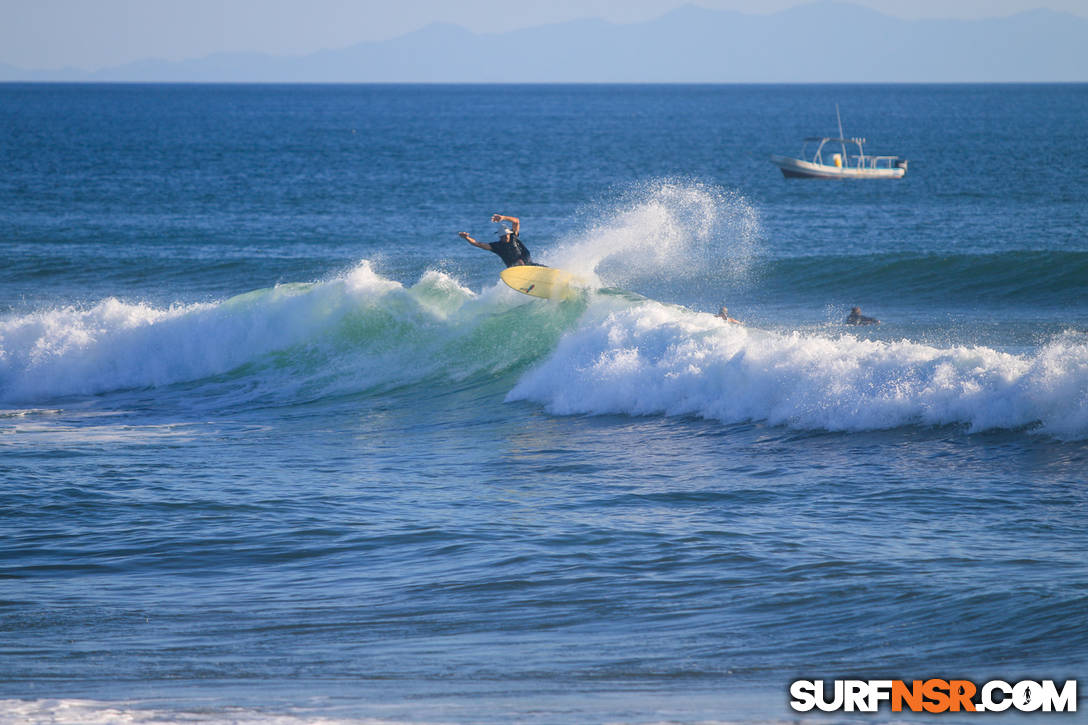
[
  {"x": 654, "y": 359},
  {"x": 604, "y": 353}
]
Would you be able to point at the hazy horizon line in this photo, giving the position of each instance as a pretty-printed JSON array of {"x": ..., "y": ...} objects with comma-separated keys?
[{"x": 90, "y": 70}]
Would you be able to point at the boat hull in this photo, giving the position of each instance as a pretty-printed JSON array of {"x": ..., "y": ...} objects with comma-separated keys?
[{"x": 800, "y": 169}]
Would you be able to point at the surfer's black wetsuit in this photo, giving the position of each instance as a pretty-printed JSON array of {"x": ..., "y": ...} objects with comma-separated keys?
[{"x": 512, "y": 251}]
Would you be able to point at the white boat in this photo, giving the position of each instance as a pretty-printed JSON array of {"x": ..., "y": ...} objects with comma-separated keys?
[{"x": 843, "y": 164}]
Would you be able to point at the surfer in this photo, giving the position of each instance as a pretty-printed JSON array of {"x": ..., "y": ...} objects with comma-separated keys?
[
  {"x": 856, "y": 318},
  {"x": 508, "y": 247},
  {"x": 723, "y": 314}
]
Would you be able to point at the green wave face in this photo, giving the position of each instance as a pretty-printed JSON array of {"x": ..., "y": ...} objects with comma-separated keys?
[{"x": 358, "y": 331}]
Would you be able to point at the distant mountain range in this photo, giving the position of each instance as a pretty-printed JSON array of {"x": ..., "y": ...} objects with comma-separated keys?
[{"x": 818, "y": 42}]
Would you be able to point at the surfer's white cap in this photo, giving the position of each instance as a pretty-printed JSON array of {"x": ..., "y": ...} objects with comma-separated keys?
[{"x": 503, "y": 231}]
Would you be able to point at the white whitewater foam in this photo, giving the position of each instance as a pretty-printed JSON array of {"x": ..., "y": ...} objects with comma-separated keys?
[
  {"x": 653, "y": 359},
  {"x": 97, "y": 712},
  {"x": 115, "y": 345}
]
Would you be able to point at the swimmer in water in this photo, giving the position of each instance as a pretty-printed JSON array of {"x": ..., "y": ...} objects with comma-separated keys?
[{"x": 856, "y": 318}]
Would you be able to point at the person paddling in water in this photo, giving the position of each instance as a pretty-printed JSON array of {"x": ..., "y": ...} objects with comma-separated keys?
[
  {"x": 509, "y": 247},
  {"x": 856, "y": 318}
]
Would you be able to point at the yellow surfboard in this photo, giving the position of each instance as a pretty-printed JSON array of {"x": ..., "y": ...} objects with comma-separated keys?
[{"x": 546, "y": 282}]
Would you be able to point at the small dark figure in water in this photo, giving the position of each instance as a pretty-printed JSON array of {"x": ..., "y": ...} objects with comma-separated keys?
[
  {"x": 856, "y": 318},
  {"x": 723, "y": 314},
  {"x": 508, "y": 247}
]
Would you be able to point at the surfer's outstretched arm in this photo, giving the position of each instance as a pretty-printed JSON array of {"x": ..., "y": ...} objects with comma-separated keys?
[
  {"x": 473, "y": 242},
  {"x": 515, "y": 223}
]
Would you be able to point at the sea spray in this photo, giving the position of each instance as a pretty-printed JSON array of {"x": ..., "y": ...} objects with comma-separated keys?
[
  {"x": 653, "y": 359},
  {"x": 663, "y": 229}
]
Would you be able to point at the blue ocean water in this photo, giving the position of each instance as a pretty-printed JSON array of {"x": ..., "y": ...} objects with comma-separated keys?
[{"x": 276, "y": 445}]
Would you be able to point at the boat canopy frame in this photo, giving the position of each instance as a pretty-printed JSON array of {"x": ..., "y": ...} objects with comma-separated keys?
[{"x": 862, "y": 161}]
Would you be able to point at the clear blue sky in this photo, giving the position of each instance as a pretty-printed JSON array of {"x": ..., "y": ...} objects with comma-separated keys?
[{"x": 92, "y": 34}]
